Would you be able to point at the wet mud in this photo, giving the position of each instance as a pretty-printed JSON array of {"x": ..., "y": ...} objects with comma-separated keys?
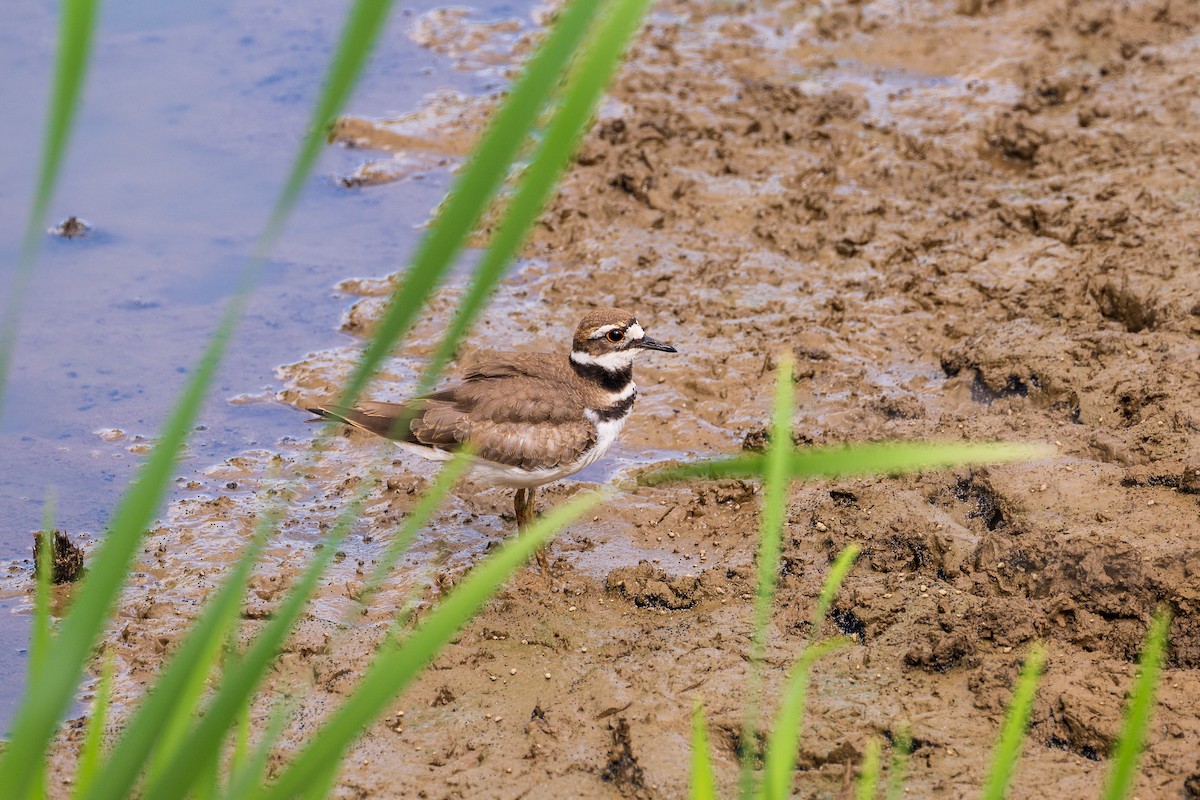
[{"x": 967, "y": 220}]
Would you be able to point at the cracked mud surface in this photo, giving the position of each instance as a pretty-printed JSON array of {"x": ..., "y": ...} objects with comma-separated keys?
[{"x": 967, "y": 220}]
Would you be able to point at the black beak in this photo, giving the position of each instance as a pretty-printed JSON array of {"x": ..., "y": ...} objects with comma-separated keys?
[{"x": 646, "y": 343}]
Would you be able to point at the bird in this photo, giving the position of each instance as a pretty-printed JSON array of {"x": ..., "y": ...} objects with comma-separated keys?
[{"x": 528, "y": 418}]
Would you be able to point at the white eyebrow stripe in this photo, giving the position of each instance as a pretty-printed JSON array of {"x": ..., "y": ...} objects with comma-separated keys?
[{"x": 603, "y": 329}]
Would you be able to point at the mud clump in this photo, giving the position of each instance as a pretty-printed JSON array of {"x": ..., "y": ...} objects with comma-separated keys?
[
  {"x": 622, "y": 769},
  {"x": 941, "y": 652},
  {"x": 653, "y": 588},
  {"x": 66, "y": 564},
  {"x": 1120, "y": 303}
]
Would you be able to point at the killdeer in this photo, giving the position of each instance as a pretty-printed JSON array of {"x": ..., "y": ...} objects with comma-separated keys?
[{"x": 530, "y": 418}]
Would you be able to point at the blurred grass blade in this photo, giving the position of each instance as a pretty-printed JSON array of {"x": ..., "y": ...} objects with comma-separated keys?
[
  {"x": 833, "y": 582},
  {"x": 1016, "y": 722},
  {"x": 901, "y": 747},
  {"x": 586, "y": 82},
  {"x": 781, "y": 747},
  {"x": 163, "y": 716},
  {"x": 868, "y": 779},
  {"x": 397, "y": 664},
  {"x": 76, "y": 31},
  {"x": 43, "y": 566},
  {"x": 482, "y": 176},
  {"x": 248, "y": 771},
  {"x": 785, "y": 737},
  {"x": 184, "y": 764},
  {"x": 1132, "y": 739},
  {"x": 39, "y": 646},
  {"x": 93, "y": 740},
  {"x": 858, "y": 459},
  {"x": 774, "y": 509},
  {"x": 704, "y": 784},
  {"x": 39, "y": 714},
  {"x": 430, "y": 500}
]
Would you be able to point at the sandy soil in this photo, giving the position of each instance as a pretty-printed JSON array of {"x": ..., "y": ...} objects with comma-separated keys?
[{"x": 967, "y": 220}]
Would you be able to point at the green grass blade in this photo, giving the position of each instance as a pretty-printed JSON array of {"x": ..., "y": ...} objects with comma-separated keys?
[
  {"x": 775, "y": 495},
  {"x": 241, "y": 744},
  {"x": 1132, "y": 739},
  {"x": 586, "y": 82},
  {"x": 868, "y": 779},
  {"x": 781, "y": 746},
  {"x": 39, "y": 714},
  {"x": 39, "y": 644},
  {"x": 186, "y": 763},
  {"x": 1016, "y": 722},
  {"x": 92, "y": 750},
  {"x": 479, "y": 181},
  {"x": 249, "y": 770},
  {"x": 80, "y": 630},
  {"x": 901, "y": 748},
  {"x": 430, "y": 501},
  {"x": 704, "y": 783},
  {"x": 397, "y": 664},
  {"x": 833, "y": 582},
  {"x": 859, "y": 459},
  {"x": 162, "y": 718},
  {"x": 77, "y": 26}
]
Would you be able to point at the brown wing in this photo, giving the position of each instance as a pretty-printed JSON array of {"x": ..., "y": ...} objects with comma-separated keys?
[{"x": 509, "y": 408}]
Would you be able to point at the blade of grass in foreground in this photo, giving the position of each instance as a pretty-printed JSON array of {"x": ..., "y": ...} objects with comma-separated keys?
[
  {"x": 1132, "y": 739},
  {"x": 39, "y": 644},
  {"x": 38, "y": 716},
  {"x": 76, "y": 31},
  {"x": 704, "y": 784},
  {"x": 479, "y": 181},
  {"x": 858, "y": 459},
  {"x": 781, "y": 747},
  {"x": 586, "y": 82},
  {"x": 1016, "y": 722},
  {"x": 785, "y": 736},
  {"x": 39, "y": 647},
  {"x": 430, "y": 501},
  {"x": 398, "y": 663},
  {"x": 775, "y": 494},
  {"x": 868, "y": 779},
  {"x": 250, "y": 771},
  {"x": 176, "y": 770},
  {"x": 93, "y": 741},
  {"x": 901, "y": 747},
  {"x": 163, "y": 716}
]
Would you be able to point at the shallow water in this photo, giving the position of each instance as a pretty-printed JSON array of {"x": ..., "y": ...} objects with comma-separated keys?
[{"x": 190, "y": 118}]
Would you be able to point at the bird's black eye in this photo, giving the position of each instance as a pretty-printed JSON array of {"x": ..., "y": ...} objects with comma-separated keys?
[{"x": 615, "y": 335}]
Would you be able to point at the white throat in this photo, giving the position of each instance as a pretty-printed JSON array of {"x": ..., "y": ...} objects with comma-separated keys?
[{"x": 610, "y": 362}]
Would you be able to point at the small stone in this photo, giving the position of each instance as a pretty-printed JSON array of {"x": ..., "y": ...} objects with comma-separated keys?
[
  {"x": 547, "y": 676},
  {"x": 821, "y": 526},
  {"x": 512, "y": 671}
]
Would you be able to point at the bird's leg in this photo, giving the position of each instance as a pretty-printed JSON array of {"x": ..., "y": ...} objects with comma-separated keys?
[{"x": 524, "y": 506}]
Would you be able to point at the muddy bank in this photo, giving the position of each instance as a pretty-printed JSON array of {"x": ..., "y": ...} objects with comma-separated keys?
[{"x": 974, "y": 225}]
